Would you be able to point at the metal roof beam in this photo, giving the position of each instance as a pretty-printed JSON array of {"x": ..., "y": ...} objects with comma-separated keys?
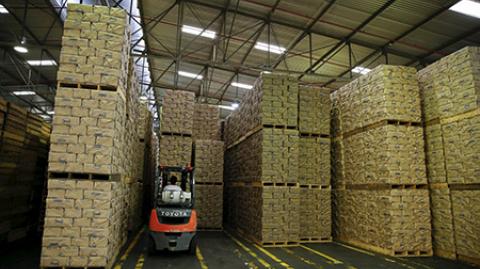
[
  {"x": 304, "y": 33},
  {"x": 404, "y": 34},
  {"x": 301, "y": 28},
  {"x": 338, "y": 46}
]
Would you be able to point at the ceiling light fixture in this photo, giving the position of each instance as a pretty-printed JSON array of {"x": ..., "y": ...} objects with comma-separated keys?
[
  {"x": 189, "y": 75},
  {"x": 467, "y": 7},
  {"x": 235, "y": 105},
  {"x": 21, "y": 93},
  {"x": 50, "y": 112},
  {"x": 361, "y": 70},
  {"x": 21, "y": 48},
  {"x": 242, "y": 85},
  {"x": 270, "y": 47},
  {"x": 41, "y": 62},
  {"x": 198, "y": 31},
  {"x": 3, "y": 10},
  {"x": 227, "y": 107}
]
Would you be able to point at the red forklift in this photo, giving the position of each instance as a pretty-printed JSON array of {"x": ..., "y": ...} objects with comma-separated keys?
[{"x": 173, "y": 220}]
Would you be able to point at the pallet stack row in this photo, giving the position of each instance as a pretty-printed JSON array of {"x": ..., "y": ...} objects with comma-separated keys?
[
  {"x": 208, "y": 163},
  {"x": 176, "y": 126},
  {"x": 23, "y": 161},
  {"x": 314, "y": 175},
  {"x": 451, "y": 96},
  {"x": 95, "y": 160},
  {"x": 382, "y": 201},
  {"x": 261, "y": 163}
]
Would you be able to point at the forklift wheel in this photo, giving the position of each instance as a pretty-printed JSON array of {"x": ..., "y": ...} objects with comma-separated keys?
[
  {"x": 193, "y": 246},
  {"x": 151, "y": 246}
]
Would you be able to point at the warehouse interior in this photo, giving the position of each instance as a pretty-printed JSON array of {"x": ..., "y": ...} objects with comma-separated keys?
[{"x": 240, "y": 134}]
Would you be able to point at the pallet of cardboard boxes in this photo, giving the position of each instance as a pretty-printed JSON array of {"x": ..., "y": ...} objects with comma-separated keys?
[
  {"x": 382, "y": 201},
  {"x": 450, "y": 95},
  {"x": 208, "y": 163},
  {"x": 94, "y": 161}
]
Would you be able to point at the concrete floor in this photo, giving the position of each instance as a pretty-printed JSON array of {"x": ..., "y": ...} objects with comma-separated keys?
[{"x": 220, "y": 250}]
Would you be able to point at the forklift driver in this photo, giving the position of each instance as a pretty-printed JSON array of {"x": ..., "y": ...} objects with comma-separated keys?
[{"x": 173, "y": 185}]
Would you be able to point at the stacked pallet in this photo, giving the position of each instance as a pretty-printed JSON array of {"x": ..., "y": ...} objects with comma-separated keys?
[
  {"x": 206, "y": 122},
  {"x": 314, "y": 176},
  {"x": 261, "y": 163},
  {"x": 450, "y": 92},
  {"x": 23, "y": 161},
  {"x": 273, "y": 102},
  {"x": 208, "y": 163},
  {"x": 382, "y": 199},
  {"x": 176, "y": 125},
  {"x": 95, "y": 157}
]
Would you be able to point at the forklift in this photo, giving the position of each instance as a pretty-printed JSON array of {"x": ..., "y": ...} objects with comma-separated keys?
[{"x": 173, "y": 220}]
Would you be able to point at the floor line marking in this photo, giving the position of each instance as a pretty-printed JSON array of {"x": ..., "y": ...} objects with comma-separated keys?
[
  {"x": 335, "y": 261},
  {"x": 249, "y": 251},
  {"x": 140, "y": 262},
  {"x": 273, "y": 257},
  {"x": 129, "y": 249},
  {"x": 305, "y": 260},
  {"x": 356, "y": 249},
  {"x": 416, "y": 263},
  {"x": 399, "y": 263},
  {"x": 200, "y": 258}
]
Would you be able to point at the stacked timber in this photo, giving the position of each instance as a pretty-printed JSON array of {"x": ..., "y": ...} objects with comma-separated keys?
[
  {"x": 450, "y": 91},
  {"x": 382, "y": 201},
  {"x": 96, "y": 158},
  {"x": 208, "y": 163},
  {"x": 261, "y": 163}
]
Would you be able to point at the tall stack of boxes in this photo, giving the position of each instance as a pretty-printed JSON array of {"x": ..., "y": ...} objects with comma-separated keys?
[
  {"x": 23, "y": 161},
  {"x": 261, "y": 163},
  {"x": 208, "y": 163},
  {"x": 451, "y": 96},
  {"x": 93, "y": 144},
  {"x": 382, "y": 200},
  {"x": 176, "y": 126},
  {"x": 314, "y": 175}
]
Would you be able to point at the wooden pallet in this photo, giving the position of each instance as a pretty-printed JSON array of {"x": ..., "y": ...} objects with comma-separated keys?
[
  {"x": 88, "y": 86},
  {"x": 445, "y": 254},
  {"x": 82, "y": 176},
  {"x": 389, "y": 252},
  {"x": 279, "y": 126},
  {"x": 176, "y": 134},
  {"x": 262, "y": 184},
  {"x": 382, "y": 186},
  {"x": 471, "y": 260},
  {"x": 314, "y": 135},
  {"x": 316, "y": 239},
  {"x": 378, "y": 124},
  {"x": 315, "y": 186}
]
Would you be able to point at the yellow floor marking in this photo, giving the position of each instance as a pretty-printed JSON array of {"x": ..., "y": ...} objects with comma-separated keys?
[
  {"x": 273, "y": 257},
  {"x": 305, "y": 260},
  {"x": 416, "y": 263},
  {"x": 335, "y": 261},
  {"x": 399, "y": 263},
  {"x": 200, "y": 258},
  {"x": 129, "y": 249},
  {"x": 141, "y": 260},
  {"x": 249, "y": 251},
  {"x": 356, "y": 249},
  {"x": 246, "y": 262}
]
